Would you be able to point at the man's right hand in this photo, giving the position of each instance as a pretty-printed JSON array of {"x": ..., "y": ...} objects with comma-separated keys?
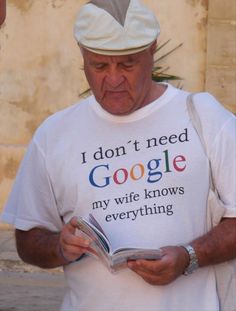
[{"x": 72, "y": 246}]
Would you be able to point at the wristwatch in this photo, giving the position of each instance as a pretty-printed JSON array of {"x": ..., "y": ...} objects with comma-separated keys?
[{"x": 193, "y": 264}]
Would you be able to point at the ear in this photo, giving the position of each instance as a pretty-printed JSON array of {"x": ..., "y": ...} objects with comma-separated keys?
[
  {"x": 153, "y": 47},
  {"x": 81, "y": 49}
]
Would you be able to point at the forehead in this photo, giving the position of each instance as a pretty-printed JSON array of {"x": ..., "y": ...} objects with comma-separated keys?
[{"x": 94, "y": 57}]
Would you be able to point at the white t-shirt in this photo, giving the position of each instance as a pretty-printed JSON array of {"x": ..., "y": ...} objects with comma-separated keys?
[{"x": 145, "y": 177}]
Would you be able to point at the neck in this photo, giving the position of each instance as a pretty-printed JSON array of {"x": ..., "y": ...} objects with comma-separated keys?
[{"x": 157, "y": 90}]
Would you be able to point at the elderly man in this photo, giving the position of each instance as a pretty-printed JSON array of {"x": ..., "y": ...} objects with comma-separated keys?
[{"x": 130, "y": 156}]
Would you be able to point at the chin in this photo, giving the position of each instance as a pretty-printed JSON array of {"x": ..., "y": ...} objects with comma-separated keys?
[
  {"x": 120, "y": 111},
  {"x": 118, "y": 107}
]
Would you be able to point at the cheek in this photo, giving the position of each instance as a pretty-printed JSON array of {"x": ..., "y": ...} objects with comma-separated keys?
[{"x": 94, "y": 81}]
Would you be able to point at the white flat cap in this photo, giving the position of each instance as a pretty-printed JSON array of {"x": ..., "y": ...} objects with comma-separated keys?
[{"x": 116, "y": 27}]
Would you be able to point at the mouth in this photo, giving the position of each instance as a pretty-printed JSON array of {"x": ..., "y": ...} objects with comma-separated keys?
[{"x": 116, "y": 94}]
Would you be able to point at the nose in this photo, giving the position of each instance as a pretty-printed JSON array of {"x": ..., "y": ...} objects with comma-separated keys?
[{"x": 114, "y": 77}]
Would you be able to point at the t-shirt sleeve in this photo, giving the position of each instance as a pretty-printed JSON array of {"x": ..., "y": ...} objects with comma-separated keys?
[
  {"x": 223, "y": 162},
  {"x": 219, "y": 132},
  {"x": 31, "y": 202}
]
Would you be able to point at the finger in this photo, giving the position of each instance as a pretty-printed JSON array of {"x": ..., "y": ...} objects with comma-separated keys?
[
  {"x": 76, "y": 241},
  {"x": 74, "y": 221},
  {"x": 74, "y": 250},
  {"x": 151, "y": 278},
  {"x": 147, "y": 266},
  {"x": 155, "y": 279},
  {"x": 92, "y": 251},
  {"x": 72, "y": 225}
]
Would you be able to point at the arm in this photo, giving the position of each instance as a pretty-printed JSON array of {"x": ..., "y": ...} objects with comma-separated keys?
[
  {"x": 47, "y": 249},
  {"x": 217, "y": 246}
]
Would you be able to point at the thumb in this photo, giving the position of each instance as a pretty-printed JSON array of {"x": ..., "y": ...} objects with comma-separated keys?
[{"x": 72, "y": 225}]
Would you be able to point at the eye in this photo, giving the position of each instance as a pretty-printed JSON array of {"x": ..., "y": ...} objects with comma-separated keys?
[
  {"x": 99, "y": 66},
  {"x": 128, "y": 65}
]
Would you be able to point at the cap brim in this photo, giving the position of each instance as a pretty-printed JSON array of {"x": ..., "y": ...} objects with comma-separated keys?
[{"x": 117, "y": 52}]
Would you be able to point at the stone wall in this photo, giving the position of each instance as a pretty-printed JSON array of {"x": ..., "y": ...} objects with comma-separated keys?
[
  {"x": 41, "y": 67},
  {"x": 221, "y": 52}
]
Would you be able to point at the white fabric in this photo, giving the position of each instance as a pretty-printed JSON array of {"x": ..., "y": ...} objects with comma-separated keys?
[
  {"x": 77, "y": 163},
  {"x": 98, "y": 31}
]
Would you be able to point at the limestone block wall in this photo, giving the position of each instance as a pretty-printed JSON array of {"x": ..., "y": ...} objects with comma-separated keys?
[
  {"x": 221, "y": 52},
  {"x": 41, "y": 66}
]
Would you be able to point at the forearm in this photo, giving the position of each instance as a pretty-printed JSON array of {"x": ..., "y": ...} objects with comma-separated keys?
[
  {"x": 218, "y": 245},
  {"x": 47, "y": 249},
  {"x": 39, "y": 247}
]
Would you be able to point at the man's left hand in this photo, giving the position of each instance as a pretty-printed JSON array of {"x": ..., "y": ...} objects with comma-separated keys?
[{"x": 165, "y": 270}]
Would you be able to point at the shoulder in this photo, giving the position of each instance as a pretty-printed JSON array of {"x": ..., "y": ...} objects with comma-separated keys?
[
  {"x": 209, "y": 107},
  {"x": 218, "y": 123},
  {"x": 68, "y": 114},
  {"x": 63, "y": 118},
  {"x": 62, "y": 123}
]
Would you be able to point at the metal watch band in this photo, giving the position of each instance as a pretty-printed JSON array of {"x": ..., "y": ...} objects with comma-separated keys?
[{"x": 193, "y": 264}]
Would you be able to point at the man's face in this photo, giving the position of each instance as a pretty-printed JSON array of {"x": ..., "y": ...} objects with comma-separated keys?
[{"x": 120, "y": 84}]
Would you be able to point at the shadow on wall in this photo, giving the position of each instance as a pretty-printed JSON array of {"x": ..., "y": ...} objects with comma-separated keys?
[{"x": 2, "y": 11}]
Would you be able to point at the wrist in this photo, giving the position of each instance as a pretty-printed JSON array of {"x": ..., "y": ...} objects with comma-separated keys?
[
  {"x": 65, "y": 260},
  {"x": 61, "y": 255},
  {"x": 185, "y": 258}
]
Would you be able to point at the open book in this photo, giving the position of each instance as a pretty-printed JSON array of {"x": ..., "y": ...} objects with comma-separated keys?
[{"x": 114, "y": 259}]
